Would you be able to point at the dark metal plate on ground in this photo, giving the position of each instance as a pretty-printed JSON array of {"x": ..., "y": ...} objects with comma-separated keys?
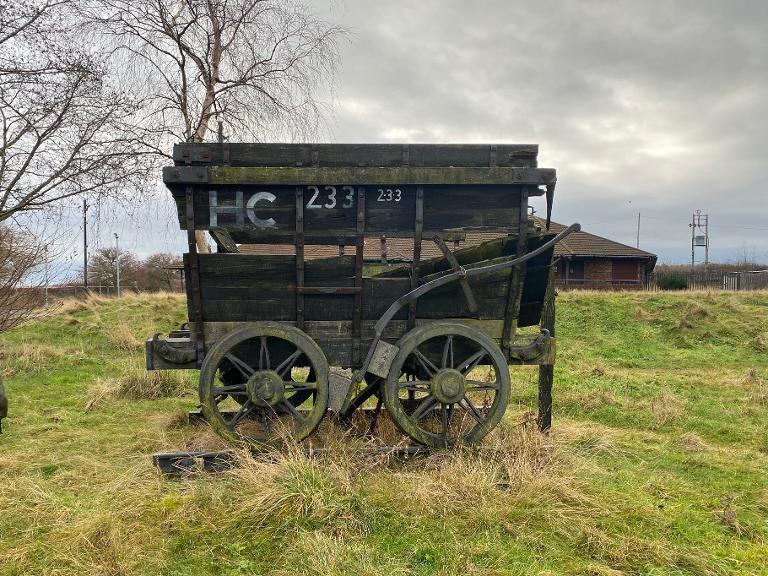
[
  {"x": 184, "y": 463},
  {"x": 180, "y": 463}
]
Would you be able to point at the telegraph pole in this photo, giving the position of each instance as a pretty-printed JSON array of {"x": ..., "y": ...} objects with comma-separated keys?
[
  {"x": 693, "y": 243},
  {"x": 85, "y": 246},
  {"x": 45, "y": 249},
  {"x": 117, "y": 262},
  {"x": 638, "y": 230},
  {"x": 706, "y": 242}
]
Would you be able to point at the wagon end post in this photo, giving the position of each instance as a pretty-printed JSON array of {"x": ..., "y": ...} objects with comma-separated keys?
[{"x": 546, "y": 371}]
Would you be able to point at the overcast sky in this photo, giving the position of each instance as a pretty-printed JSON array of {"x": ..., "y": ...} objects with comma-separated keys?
[{"x": 658, "y": 107}]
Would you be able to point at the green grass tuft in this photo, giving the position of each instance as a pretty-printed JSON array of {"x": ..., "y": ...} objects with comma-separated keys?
[{"x": 656, "y": 463}]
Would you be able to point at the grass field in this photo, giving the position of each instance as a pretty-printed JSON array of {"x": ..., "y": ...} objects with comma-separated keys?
[{"x": 657, "y": 462}]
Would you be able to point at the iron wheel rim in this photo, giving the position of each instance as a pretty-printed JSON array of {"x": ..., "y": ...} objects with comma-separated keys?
[
  {"x": 278, "y": 418},
  {"x": 445, "y": 405}
]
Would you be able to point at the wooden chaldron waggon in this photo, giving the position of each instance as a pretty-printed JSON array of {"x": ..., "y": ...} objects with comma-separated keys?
[{"x": 432, "y": 340}]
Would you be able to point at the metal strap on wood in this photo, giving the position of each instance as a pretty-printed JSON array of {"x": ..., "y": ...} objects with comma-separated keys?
[
  {"x": 194, "y": 275},
  {"x": 357, "y": 317},
  {"x": 300, "y": 257},
  {"x": 550, "y": 192},
  {"x": 465, "y": 287},
  {"x": 415, "y": 264},
  {"x": 315, "y": 154},
  {"x": 330, "y": 290}
]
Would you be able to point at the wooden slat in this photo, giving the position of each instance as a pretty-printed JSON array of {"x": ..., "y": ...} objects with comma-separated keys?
[
  {"x": 385, "y": 155},
  {"x": 300, "y": 264},
  {"x": 403, "y": 176}
]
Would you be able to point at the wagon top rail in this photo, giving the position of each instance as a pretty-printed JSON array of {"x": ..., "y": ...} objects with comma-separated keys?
[
  {"x": 360, "y": 155},
  {"x": 353, "y": 175}
]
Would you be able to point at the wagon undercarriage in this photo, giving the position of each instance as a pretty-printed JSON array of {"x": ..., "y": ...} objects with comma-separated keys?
[{"x": 431, "y": 341}]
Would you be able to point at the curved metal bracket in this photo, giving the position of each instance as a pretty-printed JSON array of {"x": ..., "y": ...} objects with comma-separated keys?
[
  {"x": 532, "y": 350},
  {"x": 171, "y": 354},
  {"x": 449, "y": 277}
]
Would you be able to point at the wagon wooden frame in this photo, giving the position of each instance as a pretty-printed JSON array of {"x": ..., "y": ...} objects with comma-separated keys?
[{"x": 434, "y": 193}]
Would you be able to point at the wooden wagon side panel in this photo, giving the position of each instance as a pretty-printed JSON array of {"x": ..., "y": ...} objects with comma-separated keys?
[
  {"x": 244, "y": 288},
  {"x": 255, "y": 214}
]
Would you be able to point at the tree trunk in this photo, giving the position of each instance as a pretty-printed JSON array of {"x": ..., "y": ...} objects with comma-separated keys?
[{"x": 200, "y": 238}]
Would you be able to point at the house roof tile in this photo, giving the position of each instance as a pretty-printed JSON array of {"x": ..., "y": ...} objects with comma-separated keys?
[{"x": 578, "y": 244}]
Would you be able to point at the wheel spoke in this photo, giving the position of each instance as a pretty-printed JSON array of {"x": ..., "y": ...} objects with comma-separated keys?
[
  {"x": 288, "y": 363},
  {"x": 291, "y": 386},
  {"x": 293, "y": 411},
  {"x": 448, "y": 352},
  {"x": 234, "y": 388},
  {"x": 477, "y": 386},
  {"x": 444, "y": 420},
  {"x": 425, "y": 362},
  {"x": 425, "y": 406},
  {"x": 263, "y": 354},
  {"x": 245, "y": 409},
  {"x": 473, "y": 410},
  {"x": 244, "y": 368},
  {"x": 415, "y": 386},
  {"x": 469, "y": 364}
]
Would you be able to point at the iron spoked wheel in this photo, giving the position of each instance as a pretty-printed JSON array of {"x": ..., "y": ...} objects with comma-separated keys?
[
  {"x": 270, "y": 370},
  {"x": 448, "y": 384}
]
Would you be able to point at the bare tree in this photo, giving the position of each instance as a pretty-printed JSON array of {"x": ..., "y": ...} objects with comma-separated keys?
[
  {"x": 65, "y": 130},
  {"x": 258, "y": 66},
  {"x": 21, "y": 256},
  {"x": 160, "y": 272},
  {"x": 103, "y": 264}
]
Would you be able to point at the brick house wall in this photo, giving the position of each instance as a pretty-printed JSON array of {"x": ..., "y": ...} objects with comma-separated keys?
[
  {"x": 598, "y": 271},
  {"x": 601, "y": 273}
]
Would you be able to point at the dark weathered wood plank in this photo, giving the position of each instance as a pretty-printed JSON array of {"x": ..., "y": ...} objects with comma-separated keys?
[
  {"x": 253, "y": 214},
  {"x": 382, "y": 155},
  {"x": 402, "y": 176}
]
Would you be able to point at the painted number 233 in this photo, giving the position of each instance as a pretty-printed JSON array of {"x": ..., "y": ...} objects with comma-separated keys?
[{"x": 328, "y": 199}]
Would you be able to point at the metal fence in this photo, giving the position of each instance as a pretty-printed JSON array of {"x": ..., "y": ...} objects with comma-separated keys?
[
  {"x": 709, "y": 280},
  {"x": 755, "y": 280}
]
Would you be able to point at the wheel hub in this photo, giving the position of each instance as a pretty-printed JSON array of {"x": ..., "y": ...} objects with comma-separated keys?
[
  {"x": 448, "y": 386},
  {"x": 265, "y": 388}
]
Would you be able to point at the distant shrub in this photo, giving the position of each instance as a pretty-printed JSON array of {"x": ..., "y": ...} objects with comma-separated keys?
[{"x": 672, "y": 282}]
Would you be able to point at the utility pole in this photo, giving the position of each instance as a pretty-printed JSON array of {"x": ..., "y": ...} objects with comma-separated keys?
[
  {"x": 693, "y": 242},
  {"x": 117, "y": 262},
  {"x": 700, "y": 223},
  {"x": 706, "y": 243},
  {"x": 638, "y": 231},
  {"x": 45, "y": 252},
  {"x": 85, "y": 246}
]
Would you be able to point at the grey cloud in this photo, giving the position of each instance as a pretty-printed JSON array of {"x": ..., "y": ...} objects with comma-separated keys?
[{"x": 662, "y": 103}]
